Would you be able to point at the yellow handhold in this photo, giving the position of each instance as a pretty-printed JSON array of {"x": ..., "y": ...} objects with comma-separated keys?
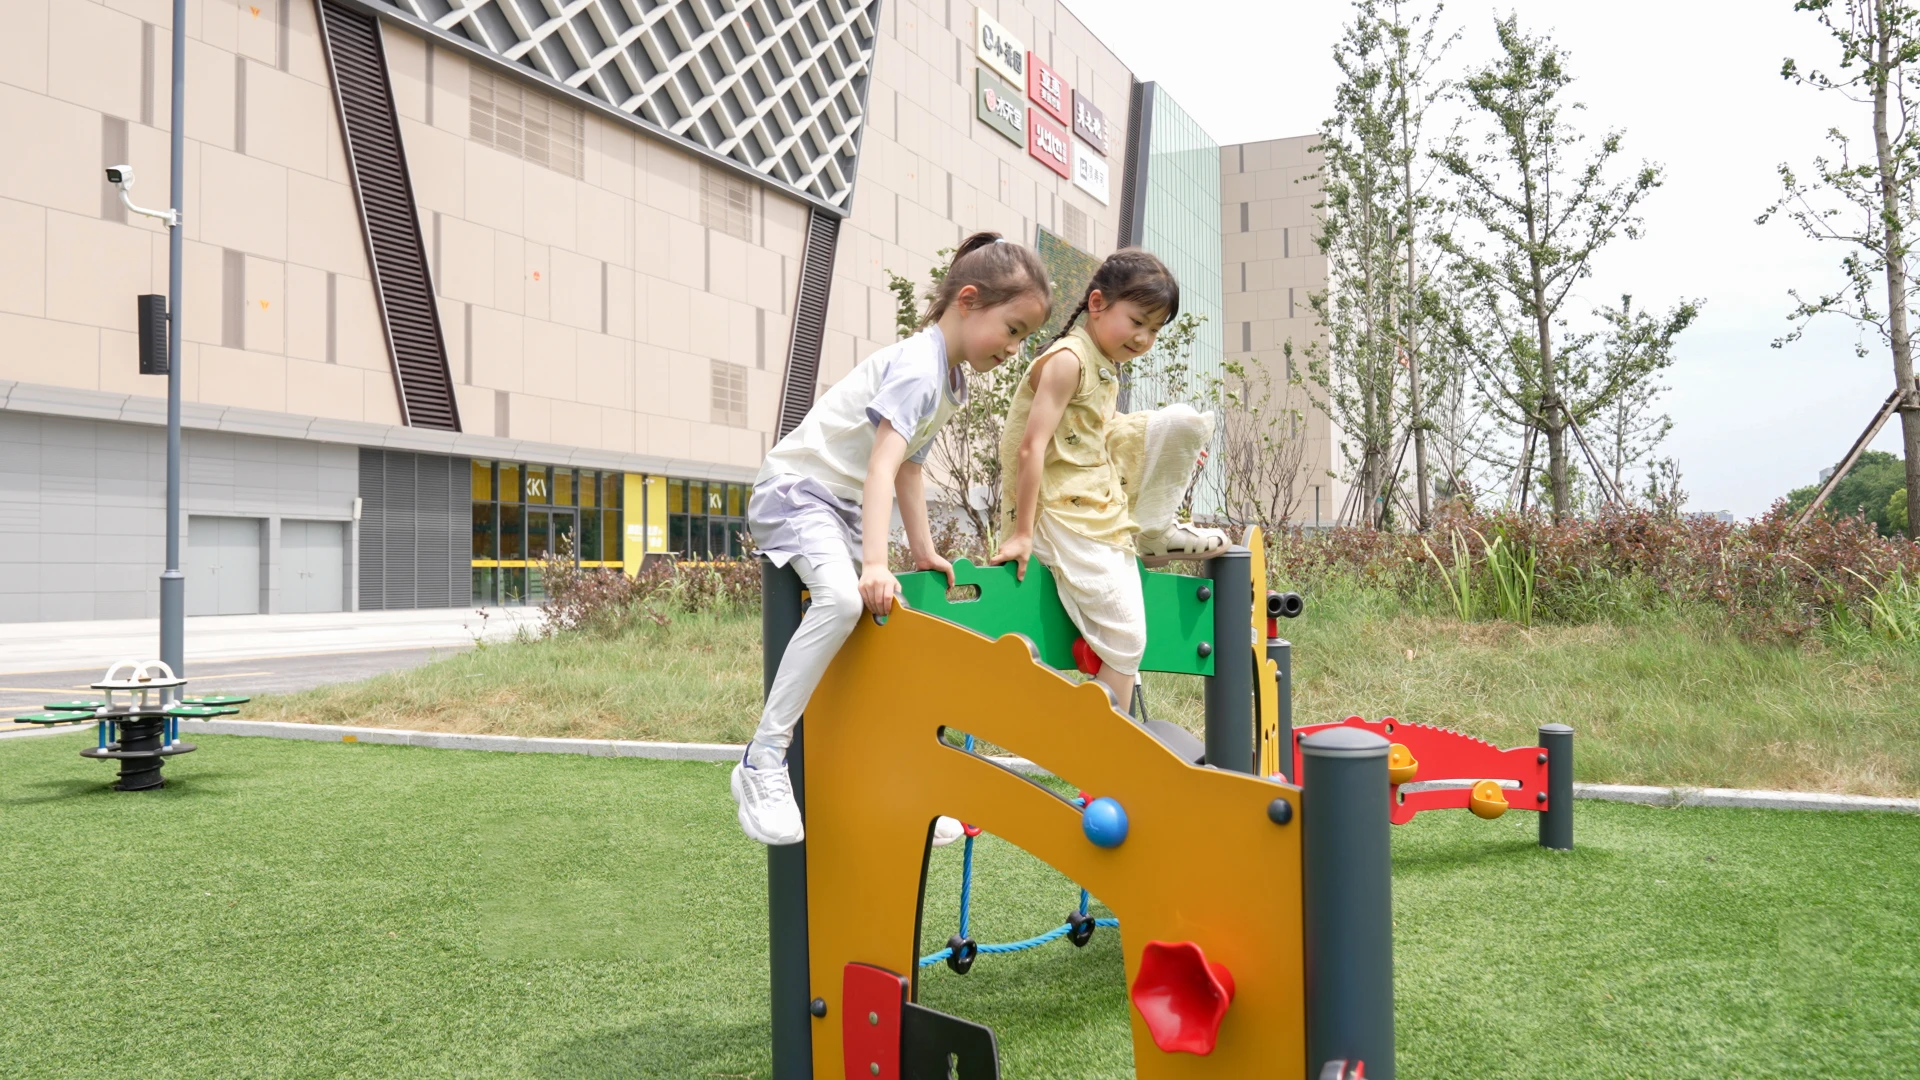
[
  {"x": 1400, "y": 765},
  {"x": 1487, "y": 800}
]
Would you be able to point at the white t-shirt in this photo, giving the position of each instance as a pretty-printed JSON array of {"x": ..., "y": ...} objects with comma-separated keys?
[{"x": 908, "y": 384}]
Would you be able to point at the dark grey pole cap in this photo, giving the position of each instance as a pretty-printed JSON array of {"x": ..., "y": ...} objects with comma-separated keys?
[
  {"x": 1555, "y": 729},
  {"x": 1344, "y": 742}
]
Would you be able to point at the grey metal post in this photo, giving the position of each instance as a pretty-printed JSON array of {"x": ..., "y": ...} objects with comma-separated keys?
[
  {"x": 1556, "y": 824},
  {"x": 1230, "y": 690},
  {"x": 173, "y": 583},
  {"x": 1280, "y": 651},
  {"x": 787, "y": 864},
  {"x": 1348, "y": 886}
]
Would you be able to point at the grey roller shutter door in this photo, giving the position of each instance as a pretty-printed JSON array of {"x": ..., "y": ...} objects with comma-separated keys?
[{"x": 415, "y": 525}]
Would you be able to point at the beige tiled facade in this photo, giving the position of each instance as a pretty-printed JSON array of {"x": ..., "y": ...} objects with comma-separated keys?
[
  {"x": 618, "y": 303},
  {"x": 1271, "y": 265}
]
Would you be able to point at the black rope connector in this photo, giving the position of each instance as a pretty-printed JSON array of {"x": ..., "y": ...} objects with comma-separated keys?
[
  {"x": 961, "y": 952},
  {"x": 1080, "y": 928}
]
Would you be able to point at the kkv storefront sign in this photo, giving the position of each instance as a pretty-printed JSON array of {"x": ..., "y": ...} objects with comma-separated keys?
[
  {"x": 998, "y": 49},
  {"x": 1090, "y": 171},
  {"x": 1048, "y": 90},
  {"x": 999, "y": 106},
  {"x": 1047, "y": 141},
  {"x": 1091, "y": 124}
]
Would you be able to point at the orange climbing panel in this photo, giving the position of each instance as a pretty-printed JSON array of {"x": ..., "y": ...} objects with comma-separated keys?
[{"x": 1202, "y": 862}]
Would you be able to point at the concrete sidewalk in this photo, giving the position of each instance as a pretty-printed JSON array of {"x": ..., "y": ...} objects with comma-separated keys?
[{"x": 92, "y": 645}]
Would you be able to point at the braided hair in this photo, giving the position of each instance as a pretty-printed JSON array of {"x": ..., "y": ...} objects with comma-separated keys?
[
  {"x": 1128, "y": 274},
  {"x": 998, "y": 271}
]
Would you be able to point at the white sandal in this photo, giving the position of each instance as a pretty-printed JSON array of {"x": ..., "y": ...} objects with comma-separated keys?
[{"x": 1182, "y": 540}]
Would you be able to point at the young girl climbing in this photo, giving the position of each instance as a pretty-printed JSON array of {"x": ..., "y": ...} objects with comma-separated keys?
[
  {"x": 824, "y": 498},
  {"x": 1086, "y": 489}
]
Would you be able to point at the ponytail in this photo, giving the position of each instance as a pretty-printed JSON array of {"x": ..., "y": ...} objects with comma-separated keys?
[{"x": 998, "y": 271}]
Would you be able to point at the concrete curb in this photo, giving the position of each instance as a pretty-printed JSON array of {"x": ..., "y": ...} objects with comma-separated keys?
[
  {"x": 670, "y": 751},
  {"x": 452, "y": 740}
]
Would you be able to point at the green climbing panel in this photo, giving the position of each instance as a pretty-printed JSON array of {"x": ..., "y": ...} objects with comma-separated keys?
[{"x": 1179, "y": 617}]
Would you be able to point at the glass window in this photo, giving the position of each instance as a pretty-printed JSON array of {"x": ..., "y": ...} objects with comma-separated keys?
[
  {"x": 589, "y": 489},
  {"x": 564, "y": 539},
  {"x": 486, "y": 537},
  {"x": 539, "y": 485},
  {"x": 589, "y": 535},
  {"x": 563, "y": 487},
  {"x": 736, "y": 499},
  {"x": 717, "y": 531},
  {"x": 538, "y": 544},
  {"x": 611, "y": 485},
  {"x": 510, "y": 483},
  {"x": 512, "y": 531},
  {"x": 482, "y": 481},
  {"x": 676, "y": 496},
  {"x": 483, "y": 585},
  {"x": 612, "y": 543},
  {"x": 677, "y": 536},
  {"x": 696, "y": 497},
  {"x": 513, "y": 586},
  {"x": 716, "y": 499}
]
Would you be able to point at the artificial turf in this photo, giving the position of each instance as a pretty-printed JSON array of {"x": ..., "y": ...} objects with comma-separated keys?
[{"x": 290, "y": 909}]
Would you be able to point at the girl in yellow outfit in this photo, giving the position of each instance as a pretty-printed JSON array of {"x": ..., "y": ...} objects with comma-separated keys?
[{"x": 1086, "y": 489}]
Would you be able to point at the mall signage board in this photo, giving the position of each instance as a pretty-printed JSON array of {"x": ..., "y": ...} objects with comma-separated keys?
[
  {"x": 1048, "y": 90},
  {"x": 1049, "y": 142},
  {"x": 1091, "y": 124},
  {"x": 998, "y": 49},
  {"x": 1090, "y": 171},
  {"x": 999, "y": 106}
]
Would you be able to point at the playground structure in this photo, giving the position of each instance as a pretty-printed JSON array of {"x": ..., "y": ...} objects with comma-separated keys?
[
  {"x": 1257, "y": 911},
  {"x": 142, "y": 731}
]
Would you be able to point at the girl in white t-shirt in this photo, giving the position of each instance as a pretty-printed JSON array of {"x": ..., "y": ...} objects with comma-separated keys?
[{"x": 824, "y": 497}]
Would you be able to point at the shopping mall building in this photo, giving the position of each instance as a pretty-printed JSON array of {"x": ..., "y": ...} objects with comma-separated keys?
[{"x": 464, "y": 277}]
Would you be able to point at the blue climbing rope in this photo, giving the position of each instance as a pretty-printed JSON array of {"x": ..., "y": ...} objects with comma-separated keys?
[
  {"x": 1015, "y": 946},
  {"x": 966, "y": 910}
]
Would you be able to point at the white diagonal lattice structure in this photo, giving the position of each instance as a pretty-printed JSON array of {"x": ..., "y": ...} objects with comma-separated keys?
[{"x": 776, "y": 85}]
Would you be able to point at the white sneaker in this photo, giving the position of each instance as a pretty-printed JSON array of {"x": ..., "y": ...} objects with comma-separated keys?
[
  {"x": 1182, "y": 540},
  {"x": 767, "y": 810},
  {"x": 946, "y": 830}
]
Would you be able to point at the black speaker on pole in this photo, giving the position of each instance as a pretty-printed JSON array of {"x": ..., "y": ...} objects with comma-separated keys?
[{"x": 153, "y": 334}]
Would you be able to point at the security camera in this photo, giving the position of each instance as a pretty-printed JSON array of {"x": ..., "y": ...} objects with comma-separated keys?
[{"x": 121, "y": 176}]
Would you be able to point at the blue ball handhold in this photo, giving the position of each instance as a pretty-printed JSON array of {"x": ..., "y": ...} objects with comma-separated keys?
[{"x": 1105, "y": 823}]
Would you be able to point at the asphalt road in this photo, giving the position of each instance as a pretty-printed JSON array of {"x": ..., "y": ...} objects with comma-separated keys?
[{"x": 31, "y": 690}]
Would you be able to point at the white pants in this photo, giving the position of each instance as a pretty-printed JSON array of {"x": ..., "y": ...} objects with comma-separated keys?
[
  {"x": 1099, "y": 585},
  {"x": 830, "y": 617}
]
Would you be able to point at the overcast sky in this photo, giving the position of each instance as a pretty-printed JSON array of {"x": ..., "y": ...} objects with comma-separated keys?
[{"x": 1695, "y": 85}]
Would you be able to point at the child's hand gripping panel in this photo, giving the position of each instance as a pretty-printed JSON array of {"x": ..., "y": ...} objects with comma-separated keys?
[{"x": 1002, "y": 604}]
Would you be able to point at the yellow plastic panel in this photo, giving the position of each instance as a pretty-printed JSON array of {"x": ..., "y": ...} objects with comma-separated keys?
[{"x": 1202, "y": 861}]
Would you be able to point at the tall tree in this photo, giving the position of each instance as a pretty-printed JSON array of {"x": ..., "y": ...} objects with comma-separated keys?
[
  {"x": 1375, "y": 234},
  {"x": 1869, "y": 204},
  {"x": 1538, "y": 218}
]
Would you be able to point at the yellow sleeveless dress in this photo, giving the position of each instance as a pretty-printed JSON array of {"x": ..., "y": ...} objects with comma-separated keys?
[
  {"x": 1092, "y": 459},
  {"x": 1085, "y": 527}
]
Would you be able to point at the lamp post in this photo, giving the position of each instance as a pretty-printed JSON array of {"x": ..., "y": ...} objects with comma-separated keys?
[{"x": 173, "y": 583}]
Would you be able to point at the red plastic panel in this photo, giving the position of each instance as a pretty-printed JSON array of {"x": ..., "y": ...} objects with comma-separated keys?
[
  {"x": 870, "y": 1000},
  {"x": 1444, "y": 754}
]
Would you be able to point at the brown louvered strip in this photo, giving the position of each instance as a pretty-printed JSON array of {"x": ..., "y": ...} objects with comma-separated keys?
[
  {"x": 809, "y": 320},
  {"x": 377, "y": 159}
]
